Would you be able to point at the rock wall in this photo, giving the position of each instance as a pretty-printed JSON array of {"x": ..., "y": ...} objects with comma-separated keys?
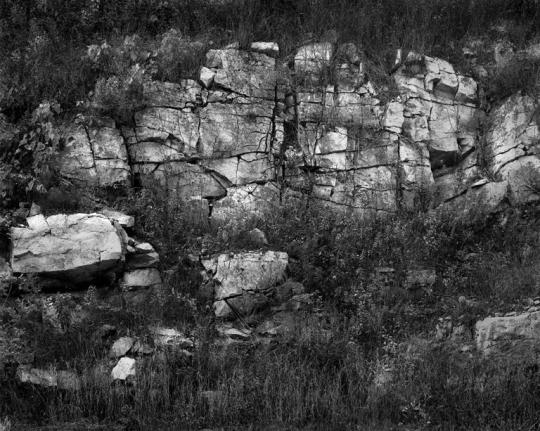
[{"x": 253, "y": 129}]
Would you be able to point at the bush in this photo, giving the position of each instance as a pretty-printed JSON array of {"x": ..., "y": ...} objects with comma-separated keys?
[
  {"x": 28, "y": 165},
  {"x": 520, "y": 75}
]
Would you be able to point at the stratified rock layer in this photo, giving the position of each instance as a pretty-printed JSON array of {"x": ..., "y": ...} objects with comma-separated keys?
[{"x": 253, "y": 130}]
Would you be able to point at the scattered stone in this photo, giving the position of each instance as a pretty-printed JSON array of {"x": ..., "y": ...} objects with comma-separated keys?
[
  {"x": 171, "y": 337},
  {"x": 35, "y": 209},
  {"x": 229, "y": 331},
  {"x": 36, "y": 376},
  {"x": 66, "y": 380},
  {"x": 268, "y": 48},
  {"x": 142, "y": 278},
  {"x": 121, "y": 347},
  {"x": 126, "y": 367}
]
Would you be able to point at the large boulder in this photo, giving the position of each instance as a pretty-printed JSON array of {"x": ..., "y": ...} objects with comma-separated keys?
[
  {"x": 242, "y": 281},
  {"x": 500, "y": 333},
  {"x": 76, "y": 246}
]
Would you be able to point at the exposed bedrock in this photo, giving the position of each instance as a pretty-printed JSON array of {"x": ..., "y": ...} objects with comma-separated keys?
[{"x": 253, "y": 129}]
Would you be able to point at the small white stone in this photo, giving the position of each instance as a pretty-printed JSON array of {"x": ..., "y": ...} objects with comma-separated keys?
[
  {"x": 206, "y": 77},
  {"x": 124, "y": 369},
  {"x": 268, "y": 48}
]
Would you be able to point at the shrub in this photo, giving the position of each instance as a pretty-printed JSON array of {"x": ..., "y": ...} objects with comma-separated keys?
[
  {"x": 179, "y": 57},
  {"x": 28, "y": 164},
  {"x": 519, "y": 75}
]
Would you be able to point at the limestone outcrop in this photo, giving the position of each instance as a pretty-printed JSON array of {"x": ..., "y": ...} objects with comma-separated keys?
[{"x": 252, "y": 130}]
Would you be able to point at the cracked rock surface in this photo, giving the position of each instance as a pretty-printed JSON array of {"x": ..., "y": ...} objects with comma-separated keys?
[
  {"x": 76, "y": 245},
  {"x": 253, "y": 129},
  {"x": 242, "y": 280}
]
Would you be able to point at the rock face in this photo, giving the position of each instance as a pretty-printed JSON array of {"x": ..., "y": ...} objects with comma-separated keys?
[
  {"x": 514, "y": 145},
  {"x": 76, "y": 246},
  {"x": 493, "y": 333},
  {"x": 251, "y": 130},
  {"x": 94, "y": 155},
  {"x": 242, "y": 281}
]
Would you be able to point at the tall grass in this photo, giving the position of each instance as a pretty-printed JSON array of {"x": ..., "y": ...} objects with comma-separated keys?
[{"x": 315, "y": 381}]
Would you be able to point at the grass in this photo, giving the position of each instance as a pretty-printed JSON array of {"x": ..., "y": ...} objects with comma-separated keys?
[
  {"x": 50, "y": 39},
  {"x": 314, "y": 379},
  {"x": 329, "y": 371},
  {"x": 324, "y": 374}
]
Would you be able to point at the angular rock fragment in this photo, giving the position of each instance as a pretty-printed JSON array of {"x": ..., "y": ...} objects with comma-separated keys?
[
  {"x": 144, "y": 277},
  {"x": 66, "y": 380},
  {"x": 121, "y": 347},
  {"x": 243, "y": 280},
  {"x": 125, "y": 368}
]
